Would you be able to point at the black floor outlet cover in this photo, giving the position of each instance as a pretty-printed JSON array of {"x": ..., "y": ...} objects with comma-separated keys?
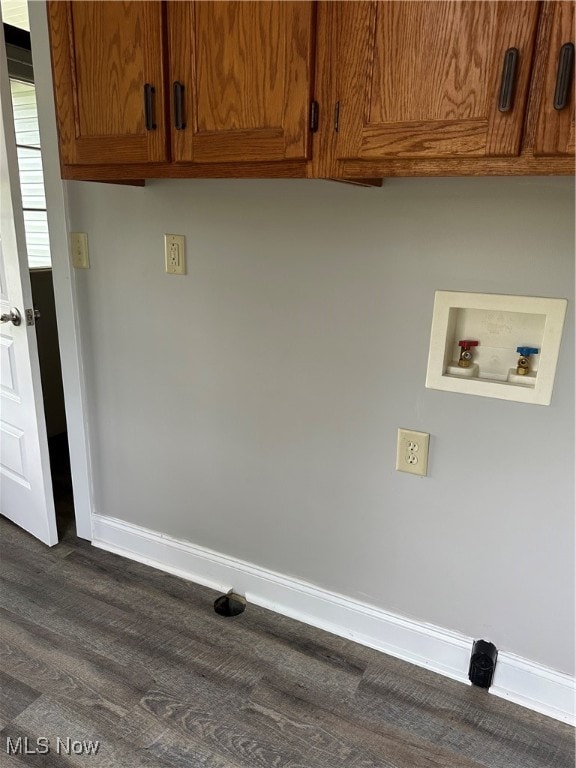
[{"x": 230, "y": 604}]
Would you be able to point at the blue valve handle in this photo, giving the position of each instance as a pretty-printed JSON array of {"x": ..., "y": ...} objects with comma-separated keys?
[{"x": 527, "y": 351}]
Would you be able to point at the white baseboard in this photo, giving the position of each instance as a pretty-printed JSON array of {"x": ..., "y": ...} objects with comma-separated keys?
[
  {"x": 535, "y": 686},
  {"x": 448, "y": 653}
]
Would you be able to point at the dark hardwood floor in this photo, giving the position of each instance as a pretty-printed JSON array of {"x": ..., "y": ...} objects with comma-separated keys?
[{"x": 96, "y": 647}]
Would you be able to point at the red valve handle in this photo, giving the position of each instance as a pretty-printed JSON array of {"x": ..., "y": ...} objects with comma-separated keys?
[{"x": 466, "y": 344}]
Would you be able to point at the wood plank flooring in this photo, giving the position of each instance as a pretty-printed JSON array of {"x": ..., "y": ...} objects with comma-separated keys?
[{"x": 93, "y": 646}]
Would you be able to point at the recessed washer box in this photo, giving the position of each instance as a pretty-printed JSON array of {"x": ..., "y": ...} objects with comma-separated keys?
[{"x": 500, "y": 324}]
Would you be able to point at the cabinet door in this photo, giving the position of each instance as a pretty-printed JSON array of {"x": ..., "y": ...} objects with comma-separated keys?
[
  {"x": 425, "y": 79},
  {"x": 240, "y": 79},
  {"x": 108, "y": 81},
  {"x": 555, "y": 131}
]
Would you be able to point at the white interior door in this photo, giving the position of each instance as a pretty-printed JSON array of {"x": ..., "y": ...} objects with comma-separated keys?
[{"x": 26, "y": 495}]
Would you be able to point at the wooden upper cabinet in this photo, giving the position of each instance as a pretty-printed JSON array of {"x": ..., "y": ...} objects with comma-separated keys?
[
  {"x": 108, "y": 76},
  {"x": 425, "y": 79},
  {"x": 184, "y": 88},
  {"x": 555, "y": 132},
  {"x": 240, "y": 80}
]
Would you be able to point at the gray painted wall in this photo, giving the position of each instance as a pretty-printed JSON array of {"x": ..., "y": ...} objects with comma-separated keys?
[{"x": 252, "y": 406}]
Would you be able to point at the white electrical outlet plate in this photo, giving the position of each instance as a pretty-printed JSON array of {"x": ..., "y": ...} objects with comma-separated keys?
[
  {"x": 175, "y": 254},
  {"x": 412, "y": 452},
  {"x": 79, "y": 249}
]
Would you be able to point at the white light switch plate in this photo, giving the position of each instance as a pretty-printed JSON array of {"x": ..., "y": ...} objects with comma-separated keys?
[
  {"x": 79, "y": 249},
  {"x": 175, "y": 254},
  {"x": 412, "y": 452}
]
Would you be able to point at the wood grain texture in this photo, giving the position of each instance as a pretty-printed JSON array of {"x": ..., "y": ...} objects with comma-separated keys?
[
  {"x": 246, "y": 68},
  {"x": 15, "y": 697},
  {"x": 555, "y": 131},
  {"x": 422, "y": 112},
  {"x": 417, "y": 45},
  {"x": 324, "y": 139},
  {"x": 289, "y": 169},
  {"x": 240, "y": 66},
  {"x": 95, "y": 646},
  {"x": 421, "y": 80},
  {"x": 102, "y": 56},
  {"x": 434, "y": 138},
  {"x": 525, "y": 165},
  {"x": 351, "y": 171},
  {"x": 62, "y": 667},
  {"x": 517, "y": 24},
  {"x": 347, "y": 730}
]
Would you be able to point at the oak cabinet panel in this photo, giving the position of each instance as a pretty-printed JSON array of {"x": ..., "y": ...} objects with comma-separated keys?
[
  {"x": 242, "y": 73},
  {"x": 555, "y": 133},
  {"x": 224, "y": 88},
  {"x": 423, "y": 79},
  {"x": 107, "y": 62}
]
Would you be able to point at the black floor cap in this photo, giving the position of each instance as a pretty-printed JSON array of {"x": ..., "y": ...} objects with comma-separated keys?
[
  {"x": 482, "y": 663},
  {"x": 230, "y": 604}
]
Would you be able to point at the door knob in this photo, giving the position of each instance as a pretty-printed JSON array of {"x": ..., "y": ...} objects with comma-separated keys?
[{"x": 13, "y": 317}]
